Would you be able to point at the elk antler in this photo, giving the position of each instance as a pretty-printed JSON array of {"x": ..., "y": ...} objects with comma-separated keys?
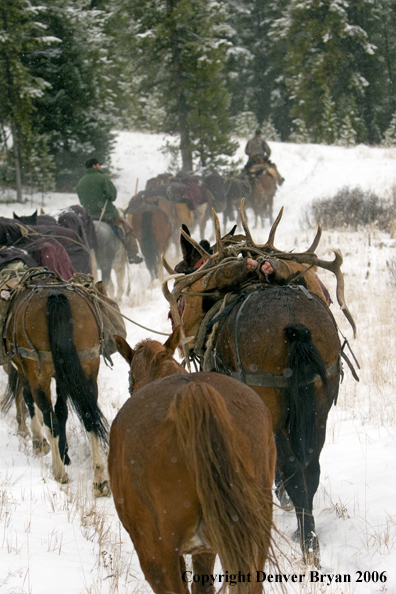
[
  {"x": 167, "y": 267},
  {"x": 249, "y": 238},
  {"x": 219, "y": 242},
  {"x": 172, "y": 300},
  {"x": 333, "y": 266},
  {"x": 270, "y": 240},
  {"x": 315, "y": 242}
]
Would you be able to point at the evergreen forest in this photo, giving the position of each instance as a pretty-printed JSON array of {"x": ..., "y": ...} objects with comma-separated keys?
[{"x": 201, "y": 71}]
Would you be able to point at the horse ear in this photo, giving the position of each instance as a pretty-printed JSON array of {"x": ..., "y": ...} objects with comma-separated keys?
[
  {"x": 123, "y": 348},
  {"x": 35, "y": 213},
  {"x": 186, "y": 247},
  {"x": 42, "y": 211},
  {"x": 174, "y": 339},
  {"x": 15, "y": 216}
]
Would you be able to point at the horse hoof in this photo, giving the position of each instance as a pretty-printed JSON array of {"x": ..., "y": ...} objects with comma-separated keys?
[
  {"x": 24, "y": 433},
  {"x": 102, "y": 489},
  {"x": 63, "y": 478},
  {"x": 40, "y": 447},
  {"x": 296, "y": 536},
  {"x": 312, "y": 558},
  {"x": 284, "y": 499}
]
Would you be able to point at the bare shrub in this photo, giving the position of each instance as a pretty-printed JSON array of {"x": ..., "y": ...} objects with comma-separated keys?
[{"x": 352, "y": 208}]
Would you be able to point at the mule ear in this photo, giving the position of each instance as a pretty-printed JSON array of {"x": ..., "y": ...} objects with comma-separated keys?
[
  {"x": 123, "y": 348},
  {"x": 174, "y": 339},
  {"x": 186, "y": 247}
]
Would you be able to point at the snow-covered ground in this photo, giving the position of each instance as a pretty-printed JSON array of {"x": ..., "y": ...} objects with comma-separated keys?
[{"x": 60, "y": 539}]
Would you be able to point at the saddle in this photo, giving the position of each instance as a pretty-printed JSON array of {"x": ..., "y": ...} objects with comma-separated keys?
[{"x": 106, "y": 311}]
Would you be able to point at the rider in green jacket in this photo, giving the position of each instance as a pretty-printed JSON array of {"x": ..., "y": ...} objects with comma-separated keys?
[
  {"x": 97, "y": 194},
  {"x": 95, "y": 190}
]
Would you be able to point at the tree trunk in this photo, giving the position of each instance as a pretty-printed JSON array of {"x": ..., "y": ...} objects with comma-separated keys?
[
  {"x": 181, "y": 103},
  {"x": 16, "y": 161}
]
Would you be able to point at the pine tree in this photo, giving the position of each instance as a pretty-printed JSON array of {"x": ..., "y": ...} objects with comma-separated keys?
[
  {"x": 244, "y": 123},
  {"x": 75, "y": 113},
  {"x": 22, "y": 33},
  {"x": 329, "y": 125},
  {"x": 180, "y": 49},
  {"x": 256, "y": 62},
  {"x": 389, "y": 139},
  {"x": 299, "y": 133},
  {"x": 347, "y": 133},
  {"x": 326, "y": 46},
  {"x": 269, "y": 131}
]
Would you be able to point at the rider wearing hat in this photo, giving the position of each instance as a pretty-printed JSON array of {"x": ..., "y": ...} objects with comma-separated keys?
[{"x": 97, "y": 193}]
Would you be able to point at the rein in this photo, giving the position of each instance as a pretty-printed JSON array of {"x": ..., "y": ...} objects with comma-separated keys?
[{"x": 132, "y": 321}]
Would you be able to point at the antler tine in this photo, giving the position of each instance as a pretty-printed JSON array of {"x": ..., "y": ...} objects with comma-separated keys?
[
  {"x": 315, "y": 242},
  {"x": 270, "y": 240},
  {"x": 333, "y": 266},
  {"x": 219, "y": 242},
  {"x": 172, "y": 298},
  {"x": 249, "y": 237},
  {"x": 198, "y": 247},
  {"x": 167, "y": 267}
]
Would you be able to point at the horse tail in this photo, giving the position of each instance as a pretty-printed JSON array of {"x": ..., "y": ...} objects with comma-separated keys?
[
  {"x": 149, "y": 244},
  {"x": 236, "y": 508},
  {"x": 305, "y": 363},
  {"x": 11, "y": 391},
  {"x": 70, "y": 377}
]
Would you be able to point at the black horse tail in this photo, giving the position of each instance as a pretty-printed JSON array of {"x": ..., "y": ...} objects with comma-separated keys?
[
  {"x": 149, "y": 245},
  {"x": 304, "y": 364},
  {"x": 70, "y": 377}
]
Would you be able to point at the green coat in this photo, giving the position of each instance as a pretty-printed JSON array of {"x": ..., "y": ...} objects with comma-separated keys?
[{"x": 93, "y": 190}]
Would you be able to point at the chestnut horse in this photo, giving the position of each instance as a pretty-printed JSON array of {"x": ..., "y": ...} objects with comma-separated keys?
[
  {"x": 53, "y": 331},
  {"x": 191, "y": 464},
  {"x": 264, "y": 188},
  {"x": 153, "y": 226}
]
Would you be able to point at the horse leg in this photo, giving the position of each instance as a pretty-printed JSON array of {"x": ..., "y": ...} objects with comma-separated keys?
[
  {"x": 21, "y": 412},
  {"x": 120, "y": 263},
  {"x": 41, "y": 391},
  {"x": 203, "y": 564},
  {"x": 312, "y": 476},
  {"x": 296, "y": 487},
  {"x": 163, "y": 570},
  {"x": 280, "y": 491},
  {"x": 101, "y": 487},
  {"x": 39, "y": 443}
]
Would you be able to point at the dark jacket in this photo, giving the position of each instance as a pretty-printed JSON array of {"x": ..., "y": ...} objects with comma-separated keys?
[
  {"x": 257, "y": 147},
  {"x": 93, "y": 190}
]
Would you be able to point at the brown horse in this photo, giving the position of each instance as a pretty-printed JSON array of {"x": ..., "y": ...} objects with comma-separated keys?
[
  {"x": 52, "y": 331},
  {"x": 191, "y": 464},
  {"x": 153, "y": 225},
  {"x": 276, "y": 335},
  {"x": 264, "y": 186}
]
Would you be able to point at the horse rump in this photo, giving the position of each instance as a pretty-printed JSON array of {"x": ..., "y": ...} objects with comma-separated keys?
[
  {"x": 70, "y": 377},
  {"x": 236, "y": 508}
]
